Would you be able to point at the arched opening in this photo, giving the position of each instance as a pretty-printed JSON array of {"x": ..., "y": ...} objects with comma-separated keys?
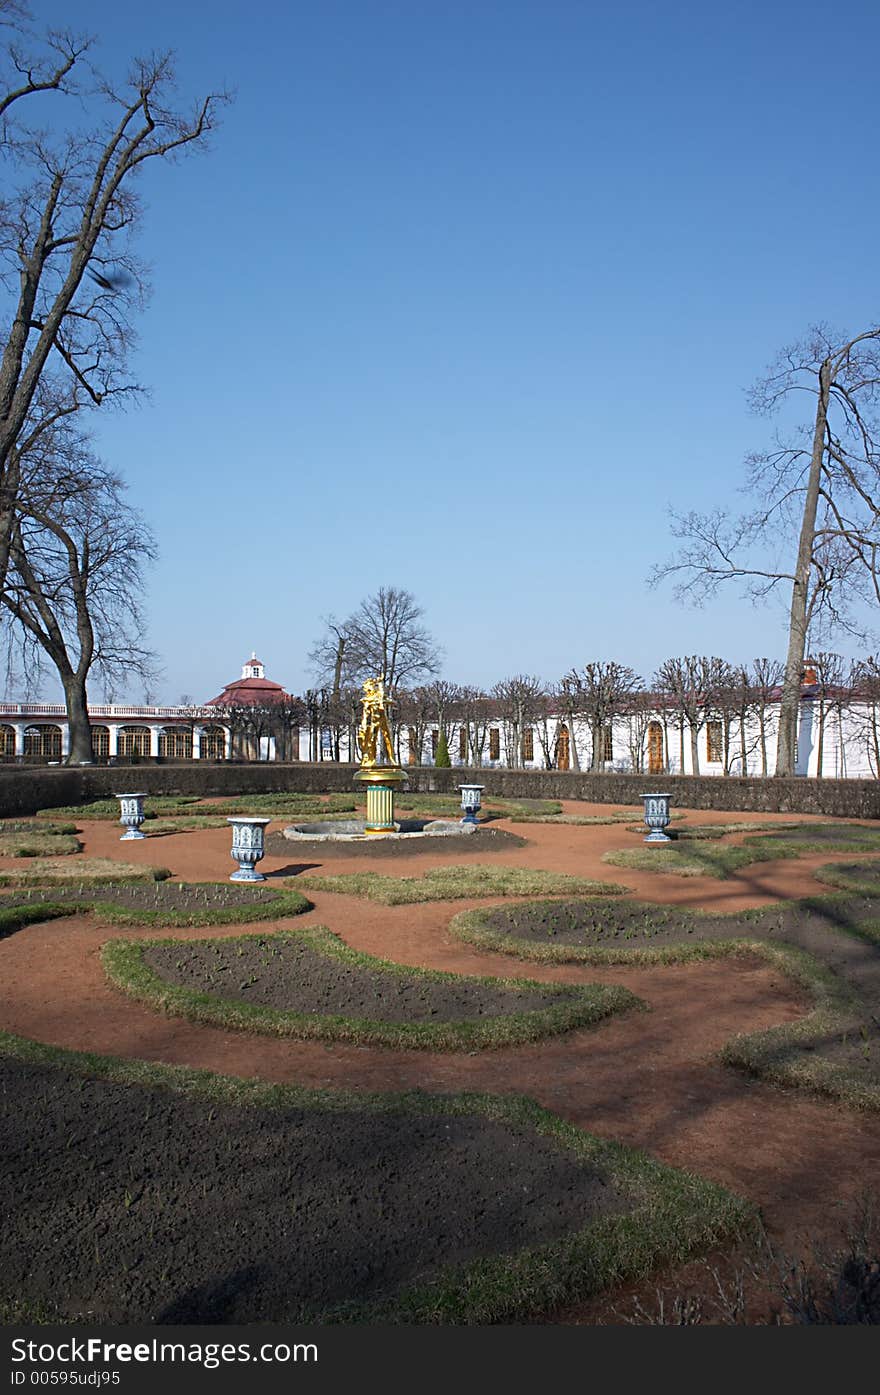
[
  {"x": 134, "y": 741},
  {"x": 101, "y": 742},
  {"x": 176, "y": 743},
  {"x": 42, "y": 742},
  {"x": 655, "y": 749},
  {"x": 213, "y": 744},
  {"x": 7, "y": 743},
  {"x": 563, "y": 748}
]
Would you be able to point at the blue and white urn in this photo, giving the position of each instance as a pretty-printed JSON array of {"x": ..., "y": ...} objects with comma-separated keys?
[
  {"x": 471, "y": 802},
  {"x": 657, "y": 817},
  {"x": 131, "y": 808},
  {"x": 248, "y": 846}
]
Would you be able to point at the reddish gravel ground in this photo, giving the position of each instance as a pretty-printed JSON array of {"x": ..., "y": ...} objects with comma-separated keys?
[{"x": 647, "y": 1079}]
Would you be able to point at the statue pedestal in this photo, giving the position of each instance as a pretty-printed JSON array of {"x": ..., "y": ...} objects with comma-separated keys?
[{"x": 381, "y": 781}]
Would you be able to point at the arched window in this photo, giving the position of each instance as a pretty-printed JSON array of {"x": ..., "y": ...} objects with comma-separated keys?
[
  {"x": 655, "y": 748},
  {"x": 7, "y": 743},
  {"x": 563, "y": 748},
  {"x": 134, "y": 741},
  {"x": 101, "y": 742},
  {"x": 213, "y": 744},
  {"x": 43, "y": 742},
  {"x": 176, "y": 743}
]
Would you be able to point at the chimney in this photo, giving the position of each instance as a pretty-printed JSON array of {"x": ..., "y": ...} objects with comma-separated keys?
[{"x": 809, "y": 674}]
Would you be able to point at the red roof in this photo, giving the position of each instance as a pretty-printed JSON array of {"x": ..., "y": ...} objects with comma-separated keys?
[{"x": 249, "y": 692}]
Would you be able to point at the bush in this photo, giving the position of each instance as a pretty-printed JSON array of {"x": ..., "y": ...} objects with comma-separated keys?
[{"x": 442, "y": 756}]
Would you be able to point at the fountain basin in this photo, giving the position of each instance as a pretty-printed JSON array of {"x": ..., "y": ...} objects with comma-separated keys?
[{"x": 353, "y": 830}]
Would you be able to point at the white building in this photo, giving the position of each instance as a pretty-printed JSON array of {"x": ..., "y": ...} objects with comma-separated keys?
[{"x": 838, "y": 736}]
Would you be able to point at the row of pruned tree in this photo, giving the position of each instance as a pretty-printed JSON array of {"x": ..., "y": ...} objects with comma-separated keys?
[{"x": 532, "y": 717}]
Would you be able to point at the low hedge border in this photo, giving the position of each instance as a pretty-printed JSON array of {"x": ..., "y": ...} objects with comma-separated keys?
[
  {"x": 587, "y": 1004},
  {"x": 675, "y": 1214}
]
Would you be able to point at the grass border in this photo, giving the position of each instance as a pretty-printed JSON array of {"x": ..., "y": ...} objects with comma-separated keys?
[
  {"x": 676, "y": 1214},
  {"x": 20, "y": 881},
  {"x": 343, "y": 884},
  {"x": 583, "y": 1005},
  {"x": 761, "y": 1053},
  {"x": 286, "y": 903}
]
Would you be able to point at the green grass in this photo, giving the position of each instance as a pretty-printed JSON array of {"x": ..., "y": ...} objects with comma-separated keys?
[
  {"x": 685, "y": 862},
  {"x": 284, "y": 805},
  {"x": 38, "y": 845},
  {"x": 88, "y": 871},
  {"x": 14, "y": 918},
  {"x": 194, "y": 807},
  {"x": 580, "y": 1006},
  {"x": 215, "y": 910},
  {"x": 857, "y": 878},
  {"x": 109, "y": 808},
  {"x": 15, "y": 826},
  {"x": 673, "y": 1214},
  {"x": 458, "y": 883},
  {"x": 787, "y": 1055},
  {"x": 159, "y": 826}
]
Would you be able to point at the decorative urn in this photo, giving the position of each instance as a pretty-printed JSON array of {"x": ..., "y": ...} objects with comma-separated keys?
[
  {"x": 657, "y": 817},
  {"x": 471, "y": 800},
  {"x": 248, "y": 846},
  {"x": 131, "y": 808}
]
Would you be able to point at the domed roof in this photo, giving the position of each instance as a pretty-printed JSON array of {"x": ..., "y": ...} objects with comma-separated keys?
[{"x": 252, "y": 689}]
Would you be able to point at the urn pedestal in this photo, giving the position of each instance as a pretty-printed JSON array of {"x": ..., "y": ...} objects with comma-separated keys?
[
  {"x": 471, "y": 802},
  {"x": 657, "y": 817},
  {"x": 131, "y": 807},
  {"x": 248, "y": 845},
  {"x": 381, "y": 783}
]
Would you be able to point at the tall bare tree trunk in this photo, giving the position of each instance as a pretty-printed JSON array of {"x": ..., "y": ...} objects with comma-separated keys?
[
  {"x": 798, "y": 625},
  {"x": 695, "y": 748},
  {"x": 81, "y": 752}
]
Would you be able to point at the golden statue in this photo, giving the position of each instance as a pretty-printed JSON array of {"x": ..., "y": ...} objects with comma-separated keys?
[{"x": 374, "y": 725}]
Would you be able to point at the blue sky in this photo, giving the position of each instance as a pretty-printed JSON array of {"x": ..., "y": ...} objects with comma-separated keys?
[{"x": 463, "y": 297}]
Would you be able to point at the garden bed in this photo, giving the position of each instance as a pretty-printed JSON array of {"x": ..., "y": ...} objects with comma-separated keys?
[
  {"x": 830, "y": 946},
  {"x": 171, "y": 903},
  {"x": 310, "y": 984},
  {"x": 315, "y": 1206},
  {"x": 81, "y": 871},
  {"x": 457, "y": 883}
]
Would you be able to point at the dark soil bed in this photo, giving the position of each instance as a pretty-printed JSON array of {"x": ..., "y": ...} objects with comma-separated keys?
[
  {"x": 289, "y": 973},
  {"x": 485, "y": 840},
  {"x": 126, "y": 1204},
  {"x": 840, "y": 935},
  {"x": 181, "y": 896},
  {"x": 170, "y": 903}
]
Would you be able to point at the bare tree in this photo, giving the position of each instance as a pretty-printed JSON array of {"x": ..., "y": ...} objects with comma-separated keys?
[
  {"x": 766, "y": 679},
  {"x": 413, "y": 711},
  {"x": 822, "y": 487},
  {"x": 520, "y": 702},
  {"x": 384, "y": 638},
  {"x": 690, "y": 686},
  {"x": 828, "y": 673},
  {"x": 865, "y": 682},
  {"x": 477, "y": 712},
  {"x": 601, "y": 691},
  {"x": 639, "y": 710},
  {"x": 66, "y": 225},
  {"x": 75, "y": 574},
  {"x": 567, "y": 692}
]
